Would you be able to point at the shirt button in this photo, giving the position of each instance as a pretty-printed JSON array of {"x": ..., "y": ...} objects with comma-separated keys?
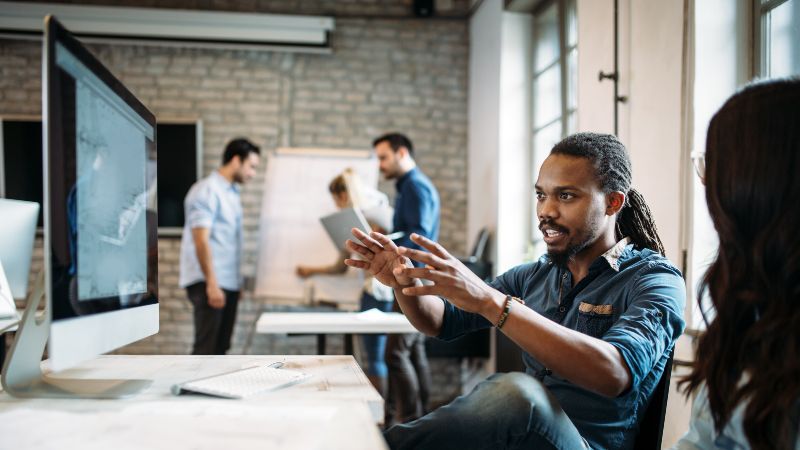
[{"x": 562, "y": 309}]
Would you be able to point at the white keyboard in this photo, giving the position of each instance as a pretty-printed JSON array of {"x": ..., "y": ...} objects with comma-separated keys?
[{"x": 242, "y": 383}]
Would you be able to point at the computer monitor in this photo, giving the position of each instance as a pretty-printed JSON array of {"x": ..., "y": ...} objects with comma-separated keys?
[{"x": 101, "y": 254}]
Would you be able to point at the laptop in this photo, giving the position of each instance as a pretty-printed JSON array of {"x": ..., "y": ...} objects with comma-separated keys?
[{"x": 339, "y": 224}]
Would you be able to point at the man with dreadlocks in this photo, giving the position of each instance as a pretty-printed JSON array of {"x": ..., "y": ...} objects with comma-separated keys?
[{"x": 596, "y": 317}]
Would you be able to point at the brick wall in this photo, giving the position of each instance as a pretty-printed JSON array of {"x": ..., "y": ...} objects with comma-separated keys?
[
  {"x": 388, "y": 71},
  {"x": 337, "y": 8}
]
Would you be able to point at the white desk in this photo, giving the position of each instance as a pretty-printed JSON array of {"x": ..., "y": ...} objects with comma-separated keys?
[
  {"x": 336, "y": 408},
  {"x": 347, "y": 323}
]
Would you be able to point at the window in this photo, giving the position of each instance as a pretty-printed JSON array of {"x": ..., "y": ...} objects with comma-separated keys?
[
  {"x": 725, "y": 59},
  {"x": 555, "y": 82},
  {"x": 777, "y": 32}
]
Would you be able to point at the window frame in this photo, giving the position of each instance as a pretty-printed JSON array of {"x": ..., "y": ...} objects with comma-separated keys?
[
  {"x": 753, "y": 46},
  {"x": 564, "y": 49},
  {"x": 761, "y": 40}
]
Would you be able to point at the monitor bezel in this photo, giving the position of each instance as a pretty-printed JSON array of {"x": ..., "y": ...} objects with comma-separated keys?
[{"x": 109, "y": 323}]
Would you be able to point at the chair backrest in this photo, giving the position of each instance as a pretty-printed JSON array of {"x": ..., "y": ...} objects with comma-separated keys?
[
  {"x": 651, "y": 428},
  {"x": 479, "y": 248}
]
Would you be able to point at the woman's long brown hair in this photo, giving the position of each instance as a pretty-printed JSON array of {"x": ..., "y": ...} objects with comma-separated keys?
[{"x": 750, "y": 352}]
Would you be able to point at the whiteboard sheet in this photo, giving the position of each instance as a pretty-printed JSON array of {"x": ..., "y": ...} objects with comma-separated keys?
[{"x": 295, "y": 197}]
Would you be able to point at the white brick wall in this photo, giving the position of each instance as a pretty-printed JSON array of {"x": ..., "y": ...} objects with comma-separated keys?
[{"x": 385, "y": 74}]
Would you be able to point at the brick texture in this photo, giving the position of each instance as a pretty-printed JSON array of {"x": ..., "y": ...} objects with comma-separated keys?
[
  {"x": 387, "y": 72},
  {"x": 336, "y": 8}
]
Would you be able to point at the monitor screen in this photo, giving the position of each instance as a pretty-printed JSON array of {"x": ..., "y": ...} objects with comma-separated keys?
[{"x": 100, "y": 219}]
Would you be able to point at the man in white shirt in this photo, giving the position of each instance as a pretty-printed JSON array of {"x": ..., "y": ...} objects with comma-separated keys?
[{"x": 211, "y": 247}]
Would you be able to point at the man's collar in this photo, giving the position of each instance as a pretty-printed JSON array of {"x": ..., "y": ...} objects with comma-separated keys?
[
  {"x": 402, "y": 178},
  {"x": 613, "y": 254},
  {"x": 215, "y": 175}
]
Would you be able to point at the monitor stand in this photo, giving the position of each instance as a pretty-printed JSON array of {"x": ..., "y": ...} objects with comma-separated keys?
[{"x": 22, "y": 373}]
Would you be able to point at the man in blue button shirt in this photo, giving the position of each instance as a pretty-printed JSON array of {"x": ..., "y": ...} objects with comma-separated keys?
[
  {"x": 211, "y": 247},
  {"x": 416, "y": 210},
  {"x": 597, "y": 316}
]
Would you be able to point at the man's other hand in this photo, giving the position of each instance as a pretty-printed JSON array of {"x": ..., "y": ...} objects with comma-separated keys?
[{"x": 380, "y": 258}]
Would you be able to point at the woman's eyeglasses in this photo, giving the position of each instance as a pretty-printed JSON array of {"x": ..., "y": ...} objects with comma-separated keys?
[{"x": 699, "y": 163}]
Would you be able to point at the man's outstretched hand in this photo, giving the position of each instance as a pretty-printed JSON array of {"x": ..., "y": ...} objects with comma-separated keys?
[
  {"x": 451, "y": 279},
  {"x": 380, "y": 258}
]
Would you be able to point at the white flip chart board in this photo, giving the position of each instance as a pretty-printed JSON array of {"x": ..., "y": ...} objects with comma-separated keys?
[{"x": 295, "y": 197}]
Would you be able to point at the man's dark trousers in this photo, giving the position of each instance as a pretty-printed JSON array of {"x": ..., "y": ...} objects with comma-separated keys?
[{"x": 213, "y": 327}]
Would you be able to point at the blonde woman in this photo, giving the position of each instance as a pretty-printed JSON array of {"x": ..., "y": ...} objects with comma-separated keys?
[{"x": 348, "y": 191}]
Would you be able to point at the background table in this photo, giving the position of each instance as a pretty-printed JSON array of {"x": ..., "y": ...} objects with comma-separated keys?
[{"x": 323, "y": 323}]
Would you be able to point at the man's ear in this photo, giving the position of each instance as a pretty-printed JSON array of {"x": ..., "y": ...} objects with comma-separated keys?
[
  {"x": 614, "y": 202},
  {"x": 402, "y": 152}
]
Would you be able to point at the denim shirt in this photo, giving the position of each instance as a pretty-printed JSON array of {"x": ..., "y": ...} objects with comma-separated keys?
[
  {"x": 213, "y": 203},
  {"x": 416, "y": 208},
  {"x": 632, "y": 299}
]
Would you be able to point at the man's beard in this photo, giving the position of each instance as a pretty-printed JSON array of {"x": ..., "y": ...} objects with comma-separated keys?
[{"x": 562, "y": 258}]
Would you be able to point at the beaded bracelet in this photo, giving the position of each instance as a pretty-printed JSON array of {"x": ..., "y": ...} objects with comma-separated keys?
[{"x": 506, "y": 310}]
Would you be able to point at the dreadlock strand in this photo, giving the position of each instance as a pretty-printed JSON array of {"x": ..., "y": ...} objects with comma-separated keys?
[{"x": 636, "y": 222}]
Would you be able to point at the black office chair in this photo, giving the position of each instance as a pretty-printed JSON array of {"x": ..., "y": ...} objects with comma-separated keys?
[
  {"x": 479, "y": 249},
  {"x": 476, "y": 261},
  {"x": 651, "y": 429}
]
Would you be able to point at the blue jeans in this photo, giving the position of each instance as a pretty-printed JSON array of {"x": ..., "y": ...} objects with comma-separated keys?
[
  {"x": 505, "y": 411},
  {"x": 375, "y": 344}
]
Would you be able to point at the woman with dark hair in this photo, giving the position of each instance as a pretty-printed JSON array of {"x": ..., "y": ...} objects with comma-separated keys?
[{"x": 747, "y": 366}]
